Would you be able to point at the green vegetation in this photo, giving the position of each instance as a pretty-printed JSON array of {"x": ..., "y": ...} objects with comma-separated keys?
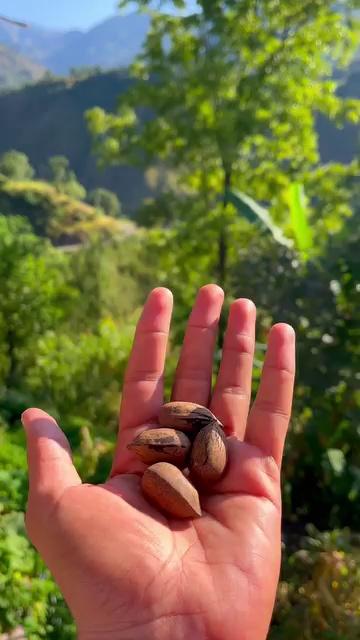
[
  {"x": 235, "y": 92},
  {"x": 318, "y": 595},
  {"x": 16, "y": 166},
  {"x": 60, "y": 129},
  {"x": 57, "y": 209},
  {"x": 65, "y": 334},
  {"x": 231, "y": 146},
  {"x": 105, "y": 200},
  {"x": 64, "y": 179}
]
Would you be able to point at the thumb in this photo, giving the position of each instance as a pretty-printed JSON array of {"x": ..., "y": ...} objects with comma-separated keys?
[{"x": 51, "y": 470}]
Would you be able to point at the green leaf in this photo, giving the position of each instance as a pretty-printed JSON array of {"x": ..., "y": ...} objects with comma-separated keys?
[
  {"x": 337, "y": 460},
  {"x": 299, "y": 217},
  {"x": 254, "y": 212}
]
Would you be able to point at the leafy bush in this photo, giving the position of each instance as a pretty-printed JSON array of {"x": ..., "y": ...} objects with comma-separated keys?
[
  {"x": 321, "y": 300},
  {"x": 78, "y": 378},
  {"x": 28, "y": 596},
  {"x": 105, "y": 200},
  {"x": 16, "y": 166},
  {"x": 13, "y": 476},
  {"x": 319, "y": 593}
]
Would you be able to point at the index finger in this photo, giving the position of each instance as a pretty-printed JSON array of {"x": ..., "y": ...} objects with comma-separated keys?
[{"x": 143, "y": 387}]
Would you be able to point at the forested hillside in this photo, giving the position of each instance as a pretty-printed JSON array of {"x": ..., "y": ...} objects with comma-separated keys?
[
  {"x": 59, "y": 209},
  {"x": 48, "y": 119}
]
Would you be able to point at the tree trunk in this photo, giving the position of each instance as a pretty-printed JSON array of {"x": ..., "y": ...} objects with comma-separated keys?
[
  {"x": 223, "y": 239},
  {"x": 223, "y": 254},
  {"x": 11, "y": 374}
]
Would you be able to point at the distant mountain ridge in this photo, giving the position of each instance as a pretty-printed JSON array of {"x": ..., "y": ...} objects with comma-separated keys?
[{"x": 112, "y": 43}]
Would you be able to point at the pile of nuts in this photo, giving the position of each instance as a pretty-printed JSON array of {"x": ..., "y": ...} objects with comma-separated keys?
[{"x": 190, "y": 442}]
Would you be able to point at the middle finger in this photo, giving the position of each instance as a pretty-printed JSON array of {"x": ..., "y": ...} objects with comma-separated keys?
[{"x": 194, "y": 371}]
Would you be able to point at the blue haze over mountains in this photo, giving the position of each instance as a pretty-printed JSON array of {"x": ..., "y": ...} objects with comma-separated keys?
[{"x": 112, "y": 43}]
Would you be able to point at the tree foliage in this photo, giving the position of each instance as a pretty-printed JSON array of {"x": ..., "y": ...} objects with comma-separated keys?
[
  {"x": 228, "y": 97},
  {"x": 64, "y": 178},
  {"x": 57, "y": 215},
  {"x": 16, "y": 166},
  {"x": 320, "y": 587},
  {"x": 34, "y": 293},
  {"x": 105, "y": 200}
]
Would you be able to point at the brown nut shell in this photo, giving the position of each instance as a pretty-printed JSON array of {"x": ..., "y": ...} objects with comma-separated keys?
[
  {"x": 161, "y": 445},
  {"x": 168, "y": 489},
  {"x": 186, "y": 416},
  {"x": 208, "y": 456}
]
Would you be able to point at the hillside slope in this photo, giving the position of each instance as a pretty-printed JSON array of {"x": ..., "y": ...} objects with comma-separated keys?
[
  {"x": 48, "y": 119},
  {"x": 16, "y": 70},
  {"x": 56, "y": 215}
]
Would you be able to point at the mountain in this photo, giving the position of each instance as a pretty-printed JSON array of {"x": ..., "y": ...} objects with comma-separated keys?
[
  {"x": 113, "y": 43},
  {"x": 16, "y": 70},
  {"x": 34, "y": 42},
  {"x": 47, "y": 119}
]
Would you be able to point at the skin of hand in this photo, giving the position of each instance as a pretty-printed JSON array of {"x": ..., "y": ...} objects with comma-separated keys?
[{"x": 127, "y": 571}]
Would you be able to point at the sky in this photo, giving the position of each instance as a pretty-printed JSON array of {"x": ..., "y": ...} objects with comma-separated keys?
[{"x": 59, "y": 14}]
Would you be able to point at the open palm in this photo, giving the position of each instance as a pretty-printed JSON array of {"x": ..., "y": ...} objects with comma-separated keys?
[{"x": 127, "y": 571}]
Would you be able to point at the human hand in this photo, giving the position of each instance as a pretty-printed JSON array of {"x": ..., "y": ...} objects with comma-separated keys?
[{"x": 129, "y": 572}]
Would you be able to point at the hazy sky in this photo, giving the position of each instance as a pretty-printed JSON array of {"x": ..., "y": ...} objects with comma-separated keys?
[{"x": 59, "y": 14}]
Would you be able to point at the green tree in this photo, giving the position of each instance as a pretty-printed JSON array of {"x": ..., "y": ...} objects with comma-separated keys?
[
  {"x": 35, "y": 295},
  {"x": 105, "y": 200},
  {"x": 15, "y": 165},
  {"x": 321, "y": 299},
  {"x": 64, "y": 178},
  {"x": 234, "y": 90},
  {"x": 77, "y": 376},
  {"x": 102, "y": 269}
]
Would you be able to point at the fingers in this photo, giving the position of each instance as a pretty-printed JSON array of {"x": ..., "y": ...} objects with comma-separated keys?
[
  {"x": 143, "y": 387},
  {"x": 232, "y": 394},
  {"x": 51, "y": 470},
  {"x": 269, "y": 417},
  {"x": 193, "y": 375}
]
